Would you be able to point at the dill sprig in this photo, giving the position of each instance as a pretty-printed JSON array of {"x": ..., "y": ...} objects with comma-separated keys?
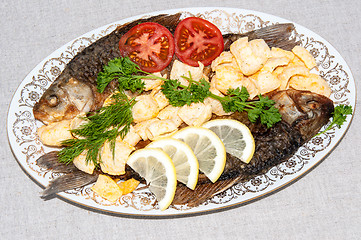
[{"x": 104, "y": 125}]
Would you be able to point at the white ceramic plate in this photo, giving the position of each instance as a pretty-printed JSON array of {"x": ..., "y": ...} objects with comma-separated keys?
[{"x": 27, "y": 148}]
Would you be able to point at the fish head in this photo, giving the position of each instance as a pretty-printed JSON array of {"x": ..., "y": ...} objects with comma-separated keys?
[
  {"x": 64, "y": 100},
  {"x": 304, "y": 110}
]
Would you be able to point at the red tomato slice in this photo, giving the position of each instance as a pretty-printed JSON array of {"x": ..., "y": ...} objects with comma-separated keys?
[
  {"x": 196, "y": 40},
  {"x": 149, "y": 45}
]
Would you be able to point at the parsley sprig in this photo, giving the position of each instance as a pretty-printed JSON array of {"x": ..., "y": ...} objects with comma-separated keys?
[
  {"x": 235, "y": 100},
  {"x": 123, "y": 70},
  {"x": 339, "y": 116}
]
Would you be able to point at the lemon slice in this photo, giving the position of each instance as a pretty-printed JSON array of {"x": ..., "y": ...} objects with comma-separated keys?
[
  {"x": 157, "y": 168},
  {"x": 208, "y": 149},
  {"x": 236, "y": 137},
  {"x": 184, "y": 160}
]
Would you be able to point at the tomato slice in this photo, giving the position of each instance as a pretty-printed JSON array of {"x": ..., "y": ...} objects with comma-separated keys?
[
  {"x": 150, "y": 45},
  {"x": 196, "y": 40}
]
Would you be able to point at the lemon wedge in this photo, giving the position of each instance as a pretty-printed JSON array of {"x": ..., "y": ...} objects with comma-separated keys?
[
  {"x": 207, "y": 147},
  {"x": 185, "y": 162},
  {"x": 236, "y": 137},
  {"x": 157, "y": 168}
]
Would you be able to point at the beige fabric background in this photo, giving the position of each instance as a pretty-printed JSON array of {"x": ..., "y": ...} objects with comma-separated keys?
[{"x": 325, "y": 204}]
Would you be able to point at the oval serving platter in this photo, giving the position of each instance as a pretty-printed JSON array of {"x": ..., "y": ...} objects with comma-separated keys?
[{"x": 25, "y": 144}]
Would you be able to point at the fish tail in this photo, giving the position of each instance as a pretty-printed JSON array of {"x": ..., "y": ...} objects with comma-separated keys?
[
  {"x": 51, "y": 162},
  {"x": 68, "y": 181}
]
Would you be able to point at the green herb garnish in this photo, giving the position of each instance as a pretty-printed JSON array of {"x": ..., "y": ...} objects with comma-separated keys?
[
  {"x": 105, "y": 125},
  {"x": 122, "y": 69},
  {"x": 180, "y": 95},
  {"x": 235, "y": 100},
  {"x": 338, "y": 116}
]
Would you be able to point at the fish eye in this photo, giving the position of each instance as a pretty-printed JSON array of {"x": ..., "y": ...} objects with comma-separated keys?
[
  {"x": 313, "y": 104},
  {"x": 53, "y": 100}
]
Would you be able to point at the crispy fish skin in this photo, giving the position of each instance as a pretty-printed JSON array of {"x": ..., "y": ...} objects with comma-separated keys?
[
  {"x": 303, "y": 114},
  {"x": 75, "y": 90}
]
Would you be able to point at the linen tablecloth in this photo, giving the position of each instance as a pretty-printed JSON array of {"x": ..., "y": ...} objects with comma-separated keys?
[{"x": 324, "y": 204}]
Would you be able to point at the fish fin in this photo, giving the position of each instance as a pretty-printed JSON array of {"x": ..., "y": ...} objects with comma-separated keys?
[
  {"x": 202, "y": 192},
  {"x": 278, "y": 35},
  {"x": 51, "y": 162},
  {"x": 168, "y": 21},
  {"x": 67, "y": 182}
]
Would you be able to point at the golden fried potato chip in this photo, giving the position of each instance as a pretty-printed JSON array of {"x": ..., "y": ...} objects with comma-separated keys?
[
  {"x": 313, "y": 83},
  {"x": 145, "y": 108},
  {"x": 170, "y": 112},
  {"x": 160, "y": 128},
  {"x": 226, "y": 77},
  {"x": 225, "y": 57},
  {"x": 54, "y": 133},
  {"x": 280, "y": 53},
  {"x": 290, "y": 71},
  {"x": 107, "y": 188},
  {"x": 216, "y": 105},
  {"x": 82, "y": 164},
  {"x": 266, "y": 81},
  {"x": 251, "y": 86},
  {"x": 250, "y": 56},
  {"x": 140, "y": 128},
  {"x": 195, "y": 114},
  {"x": 128, "y": 186},
  {"x": 115, "y": 164},
  {"x": 305, "y": 56},
  {"x": 274, "y": 62},
  {"x": 150, "y": 84}
]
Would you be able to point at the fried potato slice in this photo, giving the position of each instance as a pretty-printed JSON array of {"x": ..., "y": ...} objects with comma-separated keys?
[
  {"x": 132, "y": 137},
  {"x": 171, "y": 113},
  {"x": 115, "y": 165},
  {"x": 77, "y": 122},
  {"x": 54, "y": 133},
  {"x": 224, "y": 57},
  {"x": 250, "y": 56},
  {"x": 226, "y": 77},
  {"x": 313, "y": 83},
  {"x": 160, "y": 129},
  {"x": 145, "y": 108},
  {"x": 161, "y": 99},
  {"x": 289, "y": 72},
  {"x": 251, "y": 86},
  {"x": 195, "y": 114},
  {"x": 128, "y": 186},
  {"x": 274, "y": 62},
  {"x": 265, "y": 81},
  {"x": 83, "y": 165},
  {"x": 180, "y": 69},
  {"x": 140, "y": 128},
  {"x": 280, "y": 53},
  {"x": 216, "y": 105},
  {"x": 305, "y": 56},
  {"x": 107, "y": 188},
  {"x": 150, "y": 84}
]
